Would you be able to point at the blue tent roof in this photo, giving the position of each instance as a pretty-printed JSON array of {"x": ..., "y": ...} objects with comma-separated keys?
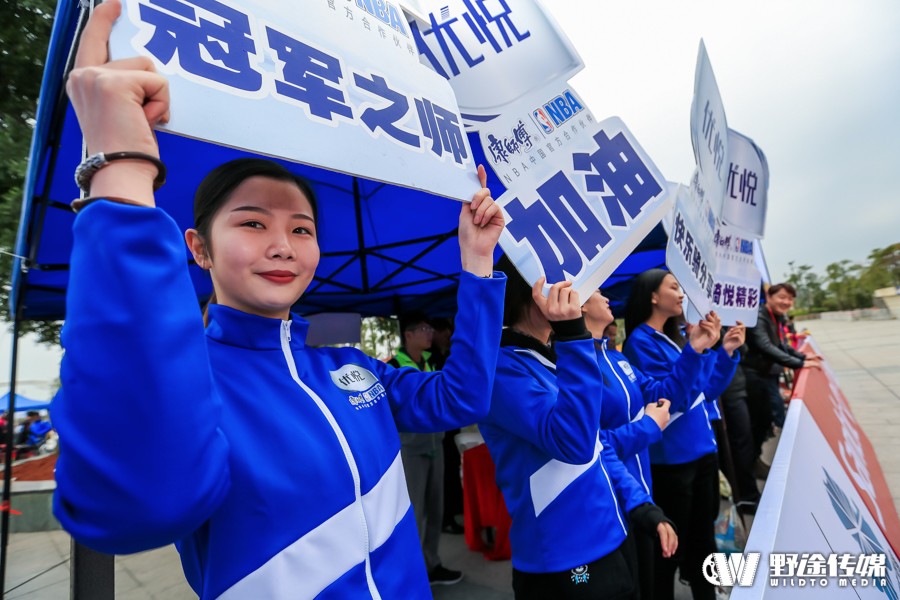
[
  {"x": 24, "y": 403},
  {"x": 379, "y": 256}
]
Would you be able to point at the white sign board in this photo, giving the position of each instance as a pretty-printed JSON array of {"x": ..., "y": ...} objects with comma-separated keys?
[
  {"x": 746, "y": 194},
  {"x": 581, "y": 194},
  {"x": 690, "y": 254},
  {"x": 709, "y": 134},
  {"x": 736, "y": 292},
  {"x": 493, "y": 52},
  {"x": 335, "y": 85}
]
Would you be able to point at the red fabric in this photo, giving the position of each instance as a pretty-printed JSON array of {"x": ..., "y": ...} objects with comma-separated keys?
[{"x": 483, "y": 505}]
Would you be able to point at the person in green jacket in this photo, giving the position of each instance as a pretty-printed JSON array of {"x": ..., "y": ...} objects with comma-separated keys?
[{"x": 423, "y": 453}]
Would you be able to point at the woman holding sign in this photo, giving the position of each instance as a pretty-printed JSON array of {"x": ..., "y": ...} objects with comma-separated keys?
[
  {"x": 571, "y": 499},
  {"x": 684, "y": 464},
  {"x": 636, "y": 409},
  {"x": 156, "y": 413}
]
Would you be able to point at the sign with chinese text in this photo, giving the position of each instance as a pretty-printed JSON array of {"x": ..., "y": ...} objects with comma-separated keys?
[
  {"x": 581, "y": 194},
  {"x": 336, "y": 84},
  {"x": 746, "y": 192},
  {"x": 736, "y": 293},
  {"x": 709, "y": 135},
  {"x": 690, "y": 254},
  {"x": 492, "y": 51}
]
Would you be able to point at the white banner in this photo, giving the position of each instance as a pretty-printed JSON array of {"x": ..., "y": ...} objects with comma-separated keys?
[
  {"x": 332, "y": 84},
  {"x": 494, "y": 52},
  {"x": 746, "y": 194},
  {"x": 581, "y": 194},
  {"x": 709, "y": 135},
  {"x": 819, "y": 540},
  {"x": 690, "y": 253}
]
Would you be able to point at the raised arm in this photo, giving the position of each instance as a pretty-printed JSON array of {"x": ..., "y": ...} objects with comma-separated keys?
[
  {"x": 142, "y": 462},
  {"x": 460, "y": 393}
]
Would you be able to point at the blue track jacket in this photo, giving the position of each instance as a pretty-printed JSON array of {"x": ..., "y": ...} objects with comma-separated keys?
[
  {"x": 688, "y": 436},
  {"x": 626, "y": 391},
  {"x": 275, "y": 467},
  {"x": 564, "y": 486}
]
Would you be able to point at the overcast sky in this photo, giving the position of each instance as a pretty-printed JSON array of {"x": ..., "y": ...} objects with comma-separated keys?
[{"x": 815, "y": 84}]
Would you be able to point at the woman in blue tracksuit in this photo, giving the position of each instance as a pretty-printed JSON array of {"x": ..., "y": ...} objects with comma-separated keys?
[
  {"x": 570, "y": 497},
  {"x": 156, "y": 414},
  {"x": 684, "y": 464},
  {"x": 636, "y": 409}
]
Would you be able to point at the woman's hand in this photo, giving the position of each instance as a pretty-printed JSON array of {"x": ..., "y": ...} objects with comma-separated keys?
[
  {"x": 668, "y": 539},
  {"x": 117, "y": 103},
  {"x": 562, "y": 302},
  {"x": 734, "y": 338},
  {"x": 480, "y": 224},
  {"x": 705, "y": 334},
  {"x": 659, "y": 412}
]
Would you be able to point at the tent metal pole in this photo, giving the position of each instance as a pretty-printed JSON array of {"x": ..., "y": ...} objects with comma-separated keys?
[
  {"x": 93, "y": 574},
  {"x": 360, "y": 237},
  {"x": 10, "y": 448}
]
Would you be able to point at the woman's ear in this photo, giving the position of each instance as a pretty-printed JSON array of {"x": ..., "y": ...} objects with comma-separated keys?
[{"x": 198, "y": 249}]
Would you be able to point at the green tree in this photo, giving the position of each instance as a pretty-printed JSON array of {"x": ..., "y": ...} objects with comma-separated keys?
[
  {"x": 810, "y": 295},
  {"x": 844, "y": 288},
  {"x": 380, "y": 336},
  {"x": 883, "y": 269},
  {"x": 24, "y": 37}
]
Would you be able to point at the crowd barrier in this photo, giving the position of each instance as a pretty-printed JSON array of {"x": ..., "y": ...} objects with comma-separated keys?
[{"x": 826, "y": 508}]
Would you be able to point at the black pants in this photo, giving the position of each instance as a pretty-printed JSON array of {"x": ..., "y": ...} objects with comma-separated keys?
[
  {"x": 759, "y": 407},
  {"x": 689, "y": 495},
  {"x": 647, "y": 549},
  {"x": 743, "y": 449},
  {"x": 612, "y": 577}
]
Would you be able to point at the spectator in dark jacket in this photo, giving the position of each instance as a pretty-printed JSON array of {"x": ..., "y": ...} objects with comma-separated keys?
[{"x": 769, "y": 353}]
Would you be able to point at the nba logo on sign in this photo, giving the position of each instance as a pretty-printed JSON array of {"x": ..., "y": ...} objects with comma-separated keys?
[{"x": 541, "y": 118}]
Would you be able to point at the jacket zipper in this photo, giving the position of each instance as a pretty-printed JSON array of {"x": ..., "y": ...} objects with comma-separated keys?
[{"x": 345, "y": 447}]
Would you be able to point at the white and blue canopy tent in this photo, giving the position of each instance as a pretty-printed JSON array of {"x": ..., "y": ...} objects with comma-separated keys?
[{"x": 385, "y": 249}]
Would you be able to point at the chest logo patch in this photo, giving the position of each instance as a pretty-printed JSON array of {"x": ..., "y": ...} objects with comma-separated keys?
[
  {"x": 362, "y": 385},
  {"x": 626, "y": 368}
]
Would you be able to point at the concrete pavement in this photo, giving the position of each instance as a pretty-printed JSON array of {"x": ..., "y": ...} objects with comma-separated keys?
[{"x": 864, "y": 354}]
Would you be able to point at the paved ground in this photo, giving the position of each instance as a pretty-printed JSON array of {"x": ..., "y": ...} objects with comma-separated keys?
[{"x": 865, "y": 355}]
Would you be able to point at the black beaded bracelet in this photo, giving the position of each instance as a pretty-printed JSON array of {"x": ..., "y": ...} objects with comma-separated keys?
[{"x": 93, "y": 163}]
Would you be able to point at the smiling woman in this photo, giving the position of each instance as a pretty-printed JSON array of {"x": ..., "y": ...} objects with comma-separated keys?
[{"x": 313, "y": 503}]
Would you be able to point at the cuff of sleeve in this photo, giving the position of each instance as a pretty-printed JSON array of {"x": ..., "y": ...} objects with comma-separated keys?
[
  {"x": 572, "y": 329},
  {"x": 654, "y": 433},
  {"x": 647, "y": 516}
]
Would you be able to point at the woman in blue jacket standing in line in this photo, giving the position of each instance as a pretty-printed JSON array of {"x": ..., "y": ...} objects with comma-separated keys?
[
  {"x": 684, "y": 464},
  {"x": 636, "y": 409},
  {"x": 314, "y": 505},
  {"x": 571, "y": 499}
]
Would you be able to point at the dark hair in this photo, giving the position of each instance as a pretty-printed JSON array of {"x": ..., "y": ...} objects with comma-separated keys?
[
  {"x": 518, "y": 293},
  {"x": 640, "y": 306},
  {"x": 410, "y": 319},
  {"x": 774, "y": 289},
  {"x": 217, "y": 186},
  {"x": 441, "y": 324}
]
